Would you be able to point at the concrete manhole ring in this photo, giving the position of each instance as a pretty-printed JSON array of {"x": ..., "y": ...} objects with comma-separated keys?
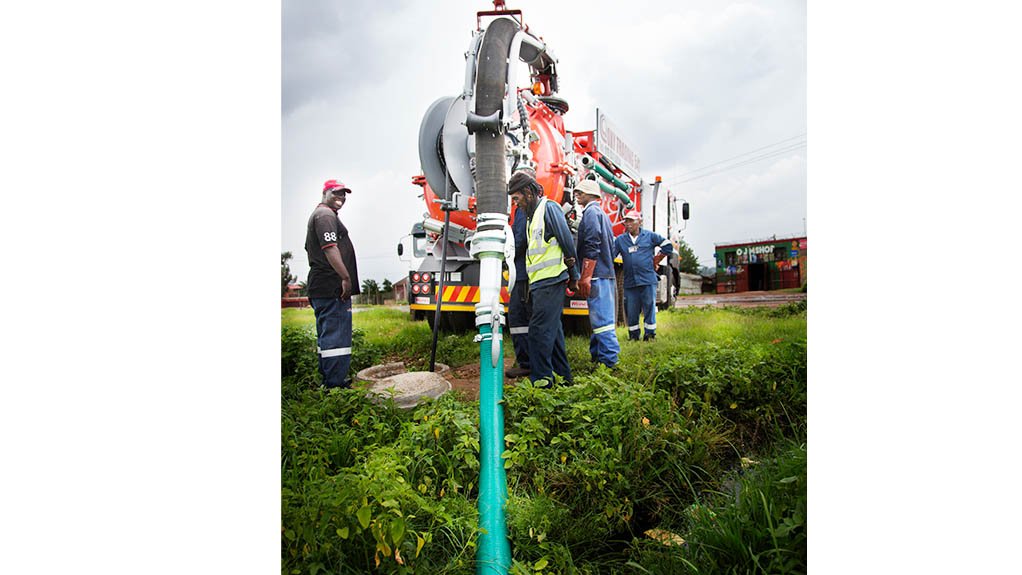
[
  {"x": 410, "y": 388},
  {"x": 379, "y": 372}
]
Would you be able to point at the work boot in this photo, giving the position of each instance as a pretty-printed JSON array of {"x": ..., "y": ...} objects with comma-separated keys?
[
  {"x": 516, "y": 372},
  {"x": 649, "y": 337}
]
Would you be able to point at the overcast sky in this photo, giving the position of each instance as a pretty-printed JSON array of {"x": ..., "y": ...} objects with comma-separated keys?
[{"x": 687, "y": 84}]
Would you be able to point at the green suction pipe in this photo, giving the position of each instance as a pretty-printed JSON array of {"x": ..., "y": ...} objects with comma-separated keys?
[
  {"x": 608, "y": 189},
  {"x": 590, "y": 163}
]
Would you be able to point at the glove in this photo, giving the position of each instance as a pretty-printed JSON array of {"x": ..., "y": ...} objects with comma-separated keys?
[
  {"x": 585, "y": 283},
  {"x": 657, "y": 259}
]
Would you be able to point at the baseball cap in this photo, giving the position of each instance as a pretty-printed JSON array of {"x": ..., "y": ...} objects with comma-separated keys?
[
  {"x": 633, "y": 215},
  {"x": 331, "y": 185},
  {"x": 588, "y": 187}
]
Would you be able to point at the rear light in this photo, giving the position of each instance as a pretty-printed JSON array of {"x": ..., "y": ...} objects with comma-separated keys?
[
  {"x": 415, "y": 288},
  {"x": 415, "y": 277},
  {"x": 425, "y": 288},
  {"x": 425, "y": 277}
]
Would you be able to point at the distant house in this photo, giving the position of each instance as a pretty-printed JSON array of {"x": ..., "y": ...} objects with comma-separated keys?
[
  {"x": 401, "y": 290},
  {"x": 293, "y": 298},
  {"x": 761, "y": 265}
]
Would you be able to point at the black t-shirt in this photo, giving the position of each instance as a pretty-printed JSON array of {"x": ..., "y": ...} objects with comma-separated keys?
[{"x": 326, "y": 230}]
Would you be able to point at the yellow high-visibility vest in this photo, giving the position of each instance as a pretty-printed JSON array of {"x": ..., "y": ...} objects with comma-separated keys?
[{"x": 543, "y": 259}]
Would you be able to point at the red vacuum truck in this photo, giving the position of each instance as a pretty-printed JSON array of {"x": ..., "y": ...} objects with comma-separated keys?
[{"x": 532, "y": 124}]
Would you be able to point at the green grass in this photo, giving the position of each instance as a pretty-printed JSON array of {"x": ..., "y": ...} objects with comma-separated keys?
[
  {"x": 676, "y": 329},
  {"x": 655, "y": 443},
  {"x": 297, "y": 317}
]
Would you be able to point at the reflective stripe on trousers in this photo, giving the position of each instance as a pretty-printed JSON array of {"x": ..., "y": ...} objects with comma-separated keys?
[
  {"x": 603, "y": 344},
  {"x": 640, "y": 300},
  {"x": 333, "y": 339},
  {"x": 546, "y": 334},
  {"x": 519, "y": 311}
]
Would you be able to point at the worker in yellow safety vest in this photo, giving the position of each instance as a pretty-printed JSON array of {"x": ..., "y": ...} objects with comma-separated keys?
[{"x": 550, "y": 264}]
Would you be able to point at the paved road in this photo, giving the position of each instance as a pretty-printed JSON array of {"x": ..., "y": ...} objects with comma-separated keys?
[{"x": 744, "y": 299}]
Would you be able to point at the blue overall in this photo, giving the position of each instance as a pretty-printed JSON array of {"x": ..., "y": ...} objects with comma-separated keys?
[
  {"x": 640, "y": 279},
  {"x": 640, "y": 299},
  {"x": 594, "y": 243},
  {"x": 519, "y": 307},
  {"x": 603, "y": 344},
  {"x": 547, "y": 334},
  {"x": 333, "y": 340}
]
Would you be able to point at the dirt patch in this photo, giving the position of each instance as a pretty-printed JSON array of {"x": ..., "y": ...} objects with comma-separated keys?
[{"x": 465, "y": 379}]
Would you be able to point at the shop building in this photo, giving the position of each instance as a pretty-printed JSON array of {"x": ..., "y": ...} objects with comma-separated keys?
[{"x": 761, "y": 265}]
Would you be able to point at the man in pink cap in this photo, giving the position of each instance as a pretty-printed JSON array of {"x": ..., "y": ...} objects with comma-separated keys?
[
  {"x": 639, "y": 259},
  {"x": 333, "y": 279}
]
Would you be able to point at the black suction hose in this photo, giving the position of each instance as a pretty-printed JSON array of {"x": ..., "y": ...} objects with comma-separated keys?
[
  {"x": 491, "y": 77},
  {"x": 443, "y": 273}
]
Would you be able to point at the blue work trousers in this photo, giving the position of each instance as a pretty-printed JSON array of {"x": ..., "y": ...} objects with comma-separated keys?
[
  {"x": 333, "y": 340},
  {"x": 641, "y": 299},
  {"x": 547, "y": 353},
  {"x": 603, "y": 345},
  {"x": 519, "y": 312}
]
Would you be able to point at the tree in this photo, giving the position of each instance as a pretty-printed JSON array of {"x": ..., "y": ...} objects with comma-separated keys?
[
  {"x": 370, "y": 287},
  {"x": 303, "y": 289},
  {"x": 285, "y": 272},
  {"x": 387, "y": 287},
  {"x": 688, "y": 263}
]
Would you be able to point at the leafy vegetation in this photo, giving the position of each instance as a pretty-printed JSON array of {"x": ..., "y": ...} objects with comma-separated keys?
[
  {"x": 688, "y": 457},
  {"x": 688, "y": 262}
]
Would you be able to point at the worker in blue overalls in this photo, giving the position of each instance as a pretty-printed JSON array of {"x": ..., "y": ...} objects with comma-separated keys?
[
  {"x": 597, "y": 283},
  {"x": 519, "y": 306},
  {"x": 638, "y": 248},
  {"x": 550, "y": 265}
]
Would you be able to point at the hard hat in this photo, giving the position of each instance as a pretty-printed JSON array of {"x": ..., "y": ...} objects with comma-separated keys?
[
  {"x": 633, "y": 215},
  {"x": 588, "y": 187},
  {"x": 331, "y": 185}
]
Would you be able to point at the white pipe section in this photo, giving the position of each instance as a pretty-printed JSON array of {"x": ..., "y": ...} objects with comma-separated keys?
[{"x": 489, "y": 278}]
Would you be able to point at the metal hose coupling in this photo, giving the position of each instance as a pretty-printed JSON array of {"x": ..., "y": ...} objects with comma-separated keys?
[{"x": 489, "y": 246}]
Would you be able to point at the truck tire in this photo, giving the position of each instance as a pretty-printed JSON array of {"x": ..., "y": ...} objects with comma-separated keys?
[
  {"x": 453, "y": 322},
  {"x": 671, "y": 284}
]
